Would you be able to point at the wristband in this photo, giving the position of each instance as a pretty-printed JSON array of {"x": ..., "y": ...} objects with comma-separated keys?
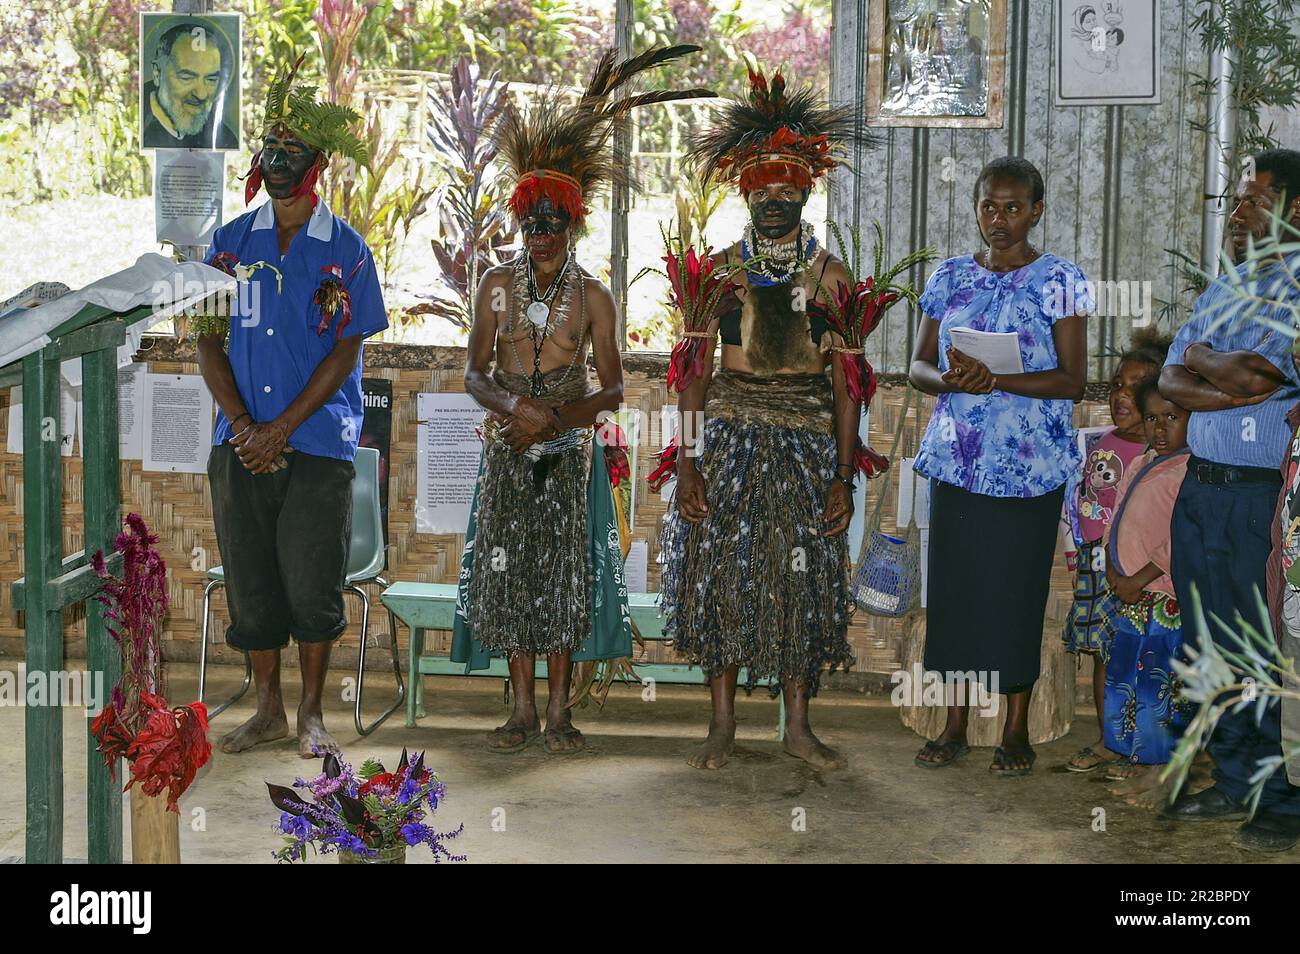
[
  {"x": 847, "y": 482},
  {"x": 238, "y": 416}
]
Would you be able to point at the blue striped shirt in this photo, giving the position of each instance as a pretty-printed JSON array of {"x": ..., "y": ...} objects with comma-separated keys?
[{"x": 1256, "y": 435}]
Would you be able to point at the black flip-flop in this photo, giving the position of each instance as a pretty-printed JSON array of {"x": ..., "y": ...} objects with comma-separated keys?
[
  {"x": 1005, "y": 755},
  {"x": 948, "y": 752}
]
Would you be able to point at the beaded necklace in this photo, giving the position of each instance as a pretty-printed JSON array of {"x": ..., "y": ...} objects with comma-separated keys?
[{"x": 780, "y": 261}]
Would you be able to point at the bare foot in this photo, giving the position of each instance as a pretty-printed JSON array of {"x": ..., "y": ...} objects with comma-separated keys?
[
  {"x": 1138, "y": 778},
  {"x": 255, "y": 731},
  {"x": 717, "y": 747},
  {"x": 806, "y": 746},
  {"x": 313, "y": 740},
  {"x": 561, "y": 736}
]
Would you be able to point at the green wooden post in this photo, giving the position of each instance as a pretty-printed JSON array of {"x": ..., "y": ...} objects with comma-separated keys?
[
  {"x": 43, "y": 552},
  {"x": 103, "y": 519}
]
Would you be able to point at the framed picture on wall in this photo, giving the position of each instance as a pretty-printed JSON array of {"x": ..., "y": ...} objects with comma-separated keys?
[
  {"x": 189, "y": 81},
  {"x": 1107, "y": 52},
  {"x": 936, "y": 62}
]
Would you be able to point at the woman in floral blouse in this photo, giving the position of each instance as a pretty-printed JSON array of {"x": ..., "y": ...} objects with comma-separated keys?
[{"x": 998, "y": 451}]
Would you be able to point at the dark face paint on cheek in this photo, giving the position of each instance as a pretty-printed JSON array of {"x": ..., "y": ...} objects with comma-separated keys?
[
  {"x": 283, "y": 171},
  {"x": 544, "y": 227},
  {"x": 774, "y": 218}
]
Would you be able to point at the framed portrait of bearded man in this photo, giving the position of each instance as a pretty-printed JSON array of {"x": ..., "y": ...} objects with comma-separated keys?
[
  {"x": 189, "y": 81},
  {"x": 936, "y": 62}
]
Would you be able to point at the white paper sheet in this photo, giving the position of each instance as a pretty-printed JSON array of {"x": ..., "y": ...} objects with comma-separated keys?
[
  {"x": 636, "y": 567},
  {"x": 130, "y": 397},
  {"x": 177, "y": 423},
  {"x": 188, "y": 187},
  {"x": 69, "y": 419},
  {"x": 999, "y": 350},
  {"x": 447, "y": 461}
]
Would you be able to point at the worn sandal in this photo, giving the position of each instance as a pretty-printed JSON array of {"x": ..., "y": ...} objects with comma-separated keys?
[
  {"x": 1087, "y": 759},
  {"x": 1003, "y": 762},
  {"x": 947, "y": 752},
  {"x": 498, "y": 740}
]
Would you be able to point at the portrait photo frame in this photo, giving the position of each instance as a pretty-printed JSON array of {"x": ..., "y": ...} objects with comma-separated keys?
[
  {"x": 936, "y": 63},
  {"x": 1106, "y": 52},
  {"x": 190, "y": 94}
]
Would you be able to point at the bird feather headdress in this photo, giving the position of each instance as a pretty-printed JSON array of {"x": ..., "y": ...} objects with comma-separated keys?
[
  {"x": 560, "y": 150},
  {"x": 326, "y": 127},
  {"x": 775, "y": 131}
]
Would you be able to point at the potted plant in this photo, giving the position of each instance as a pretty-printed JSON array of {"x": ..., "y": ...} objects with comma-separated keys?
[
  {"x": 165, "y": 746},
  {"x": 367, "y": 817}
]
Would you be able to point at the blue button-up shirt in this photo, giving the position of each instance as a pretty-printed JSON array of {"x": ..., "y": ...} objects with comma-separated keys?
[
  {"x": 1254, "y": 435},
  {"x": 274, "y": 344}
]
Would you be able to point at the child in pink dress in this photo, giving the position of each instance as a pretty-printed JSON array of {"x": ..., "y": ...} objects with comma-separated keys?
[
  {"x": 1144, "y": 710},
  {"x": 1108, "y": 455}
]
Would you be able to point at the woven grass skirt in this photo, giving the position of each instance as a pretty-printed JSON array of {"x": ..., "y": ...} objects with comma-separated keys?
[
  {"x": 755, "y": 584},
  {"x": 989, "y": 573},
  {"x": 531, "y": 586}
]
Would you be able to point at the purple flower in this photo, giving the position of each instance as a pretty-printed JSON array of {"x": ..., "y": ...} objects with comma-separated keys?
[{"x": 414, "y": 833}]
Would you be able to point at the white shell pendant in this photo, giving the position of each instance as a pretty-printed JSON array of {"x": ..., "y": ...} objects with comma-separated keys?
[{"x": 538, "y": 312}]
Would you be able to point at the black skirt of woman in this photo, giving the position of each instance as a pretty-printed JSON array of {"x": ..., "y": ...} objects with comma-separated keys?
[{"x": 990, "y": 567}]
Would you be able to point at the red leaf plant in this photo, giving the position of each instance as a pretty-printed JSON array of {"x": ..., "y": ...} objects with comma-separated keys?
[
  {"x": 853, "y": 312},
  {"x": 697, "y": 287},
  {"x": 165, "y": 746}
]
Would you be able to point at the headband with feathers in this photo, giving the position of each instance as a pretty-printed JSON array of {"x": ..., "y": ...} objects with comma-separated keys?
[
  {"x": 326, "y": 127},
  {"x": 775, "y": 132},
  {"x": 561, "y": 149}
]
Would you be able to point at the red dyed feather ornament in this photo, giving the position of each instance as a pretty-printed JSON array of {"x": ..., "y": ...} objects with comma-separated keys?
[
  {"x": 667, "y": 469},
  {"x": 332, "y": 297}
]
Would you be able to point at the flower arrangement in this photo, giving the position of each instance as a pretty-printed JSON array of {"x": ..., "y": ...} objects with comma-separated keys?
[
  {"x": 363, "y": 814},
  {"x": 853, "y": 311},
  {"x": 166, "y": 746},
  {"x": 697, "y": 287}
]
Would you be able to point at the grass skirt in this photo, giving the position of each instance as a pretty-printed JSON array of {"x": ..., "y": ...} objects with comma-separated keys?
[
  {"x": 531, "y": 586},
  {"x": 755, "y": 584}
]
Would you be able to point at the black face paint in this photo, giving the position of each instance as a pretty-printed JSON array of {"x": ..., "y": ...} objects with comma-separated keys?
[
  {"x": 544, "y": 219},
  {"x": 283, "y": 170},
  {"x": 774, "y": 218}
]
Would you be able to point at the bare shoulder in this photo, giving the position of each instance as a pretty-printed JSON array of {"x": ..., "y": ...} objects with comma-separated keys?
[
  {"x": 598, "y": 293},
  {"x": 730, "y": 253},
  {"x": 835, "y": 270},
  {"x": 498, "y": 275}
]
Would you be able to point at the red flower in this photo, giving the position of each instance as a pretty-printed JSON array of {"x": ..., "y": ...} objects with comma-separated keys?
[
  {"x": 387, "y": 781},
  {"x": 170, "y": 748},
  {"x": 113, "y": 738},
  {"x": 667, "y": 469}
]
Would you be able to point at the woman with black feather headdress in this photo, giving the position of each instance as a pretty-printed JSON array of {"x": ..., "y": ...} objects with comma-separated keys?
[
  {"x": 542, "y": 570},
  {"x": 756, "y": 571}
]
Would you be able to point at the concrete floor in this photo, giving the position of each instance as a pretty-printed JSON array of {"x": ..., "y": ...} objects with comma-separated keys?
[{"x": 631, "y": 797}]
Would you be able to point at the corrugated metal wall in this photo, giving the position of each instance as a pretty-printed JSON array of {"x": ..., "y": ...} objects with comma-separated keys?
[{"x": 918, "y": 184}]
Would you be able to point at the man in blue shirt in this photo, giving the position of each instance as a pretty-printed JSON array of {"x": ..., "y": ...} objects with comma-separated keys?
[
  {"x": 289, "y": 392},
  {"x": 1235, "y": 372}
]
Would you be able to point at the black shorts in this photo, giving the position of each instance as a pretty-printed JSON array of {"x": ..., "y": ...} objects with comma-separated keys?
[{"x": 284, "y": 547}]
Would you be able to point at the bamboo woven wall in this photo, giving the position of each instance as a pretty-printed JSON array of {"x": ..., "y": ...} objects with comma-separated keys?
[{"x": 177, "y": 507}]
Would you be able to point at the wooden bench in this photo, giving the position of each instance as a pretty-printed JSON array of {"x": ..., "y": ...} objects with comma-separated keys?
[{"x": 426, "y": 606}]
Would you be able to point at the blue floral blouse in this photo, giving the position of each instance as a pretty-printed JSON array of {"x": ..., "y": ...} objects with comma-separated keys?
[{"x": 1000, "y": 444}]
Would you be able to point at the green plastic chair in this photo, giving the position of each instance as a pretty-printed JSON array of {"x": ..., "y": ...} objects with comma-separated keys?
[{"x": 365, "y": 563}]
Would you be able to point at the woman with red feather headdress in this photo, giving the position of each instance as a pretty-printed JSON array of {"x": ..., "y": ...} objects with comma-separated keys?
[
  {"x": 756, "y": 572},
  {"x": 542, "y": 570}
]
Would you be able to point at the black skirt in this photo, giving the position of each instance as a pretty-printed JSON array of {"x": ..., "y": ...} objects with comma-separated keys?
[{"x": 990, "y": 567}]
